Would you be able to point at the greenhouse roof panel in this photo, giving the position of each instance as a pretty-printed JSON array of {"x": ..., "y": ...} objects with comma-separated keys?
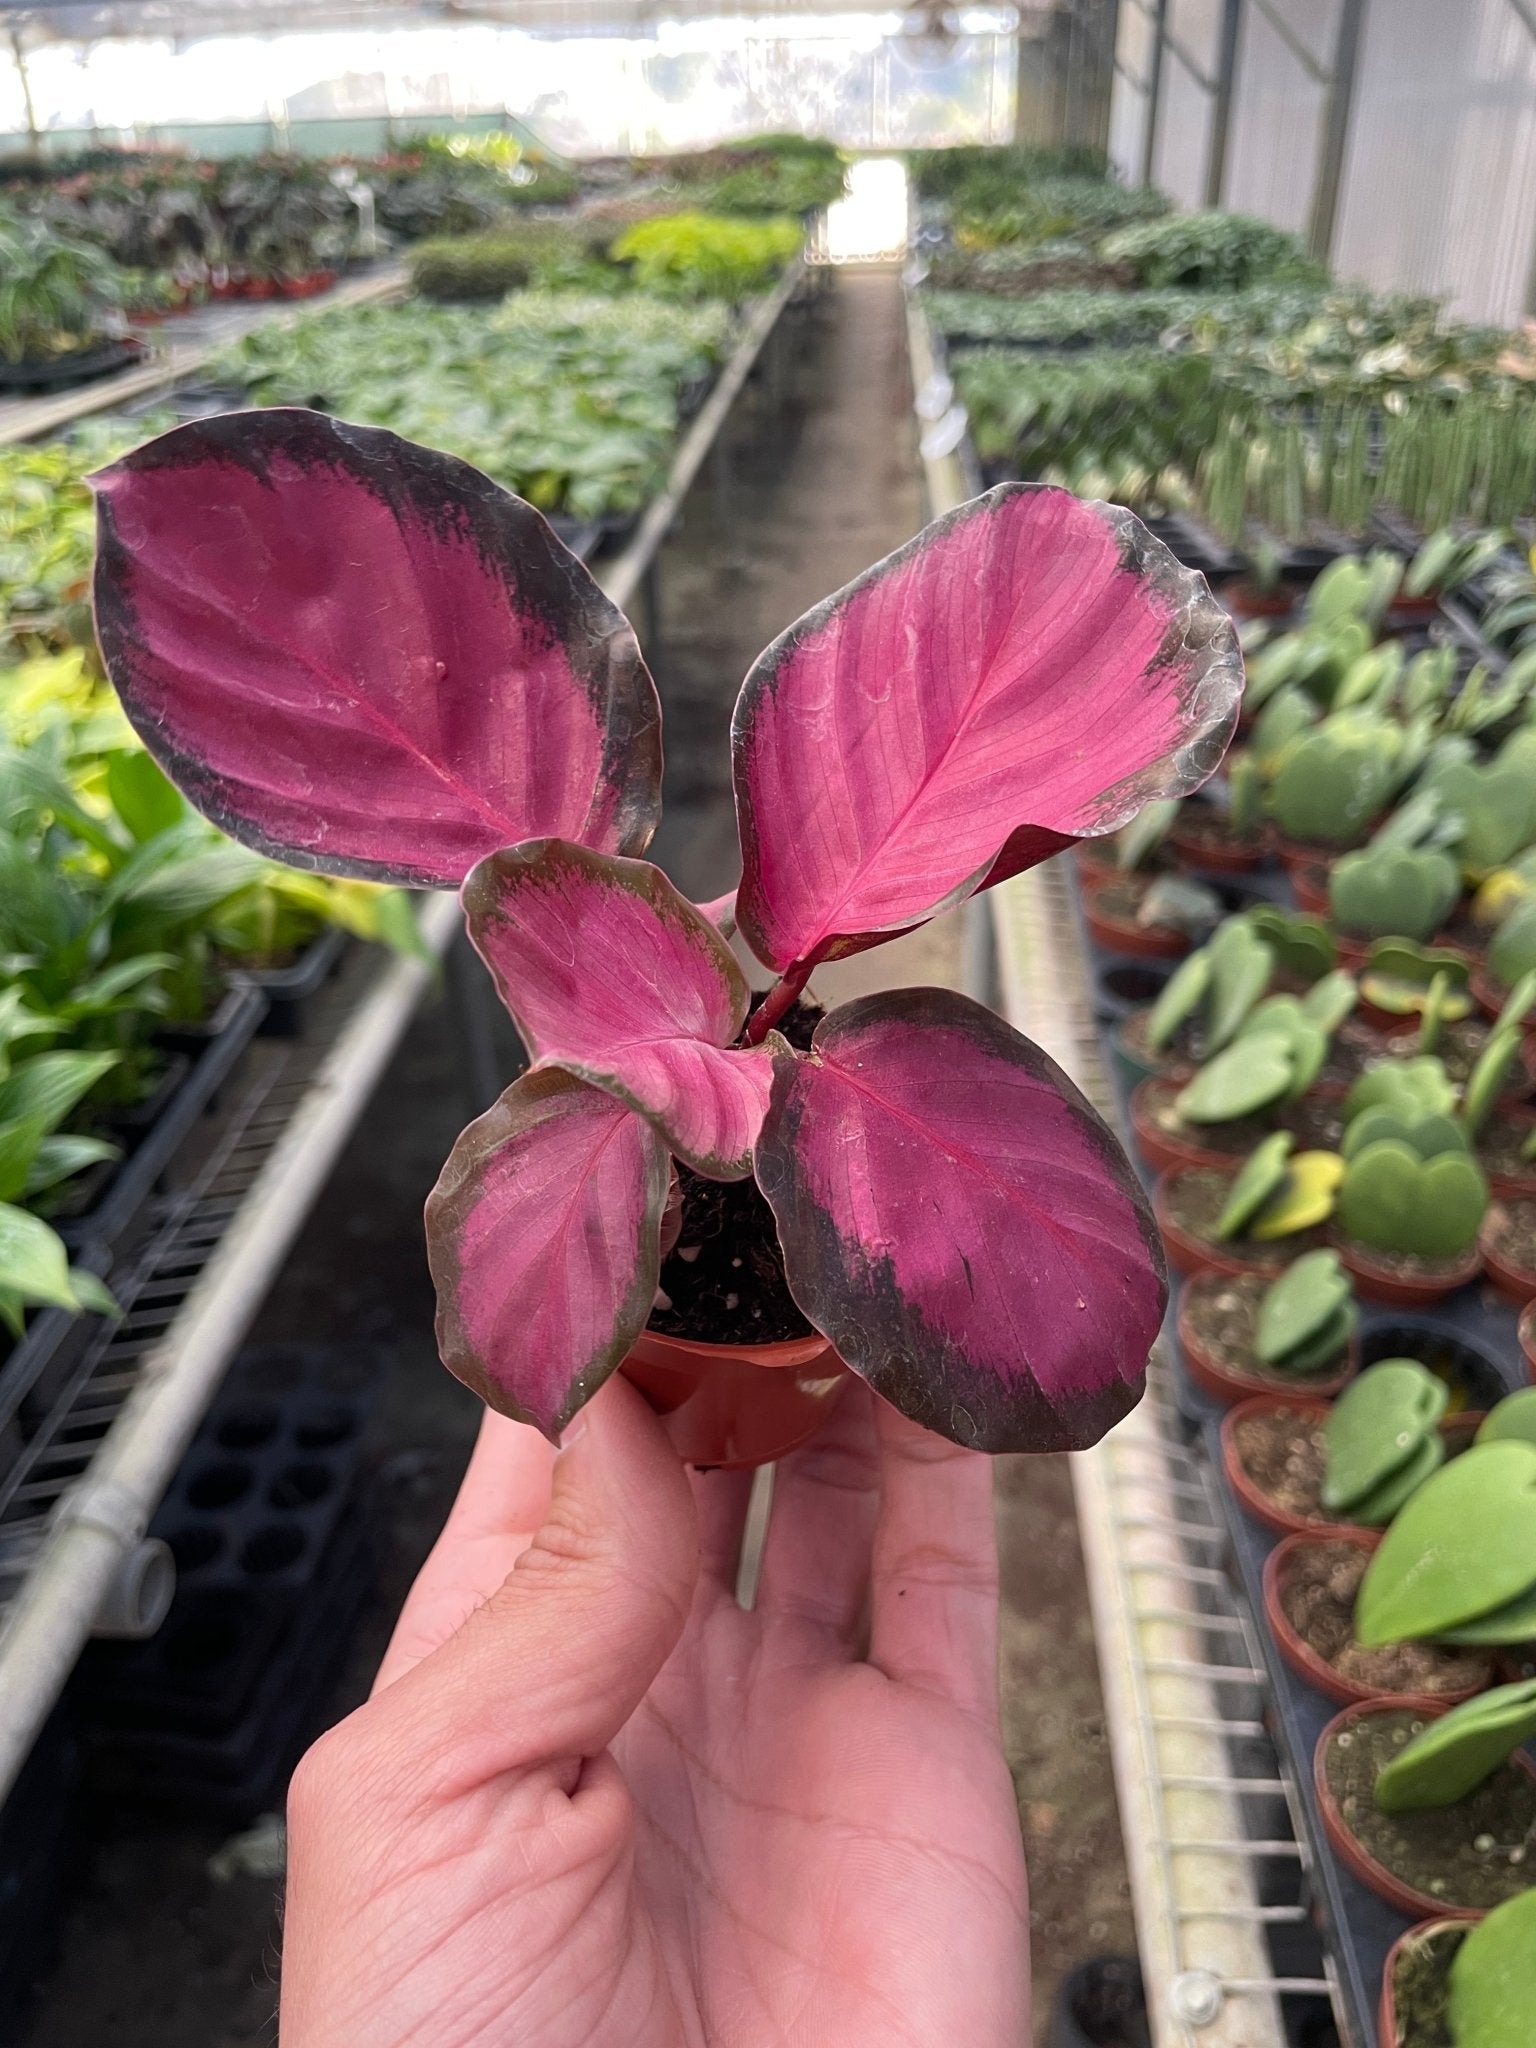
[{"x": 183, "y": 20}]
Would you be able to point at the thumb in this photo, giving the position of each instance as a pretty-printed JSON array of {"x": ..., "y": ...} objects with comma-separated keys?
[{"x": 555, "y": 1662}]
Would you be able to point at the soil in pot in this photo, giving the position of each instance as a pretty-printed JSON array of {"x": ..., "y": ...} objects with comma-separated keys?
[
  {"x": 1219, "y": 1314},
  {"x": 1176, "y": 1057},
  {"x": 724, "y": 1278},
  {"x": 1156, "y": 1110},
  {"x": 1113, "y": 906},
  {"x": 1399, "y": 1279},
  {"x": 1499, "y": 1153},
  {"x": 1316, "y": 1122},
  {"x": 1317, "y": 1592},
  {"x": 1193, "y": 1200},
  {"x": 1419, "y": 1991},
  {"x": 1203, "y": 838},
  {"x": 1468, "y": 1857},
  {"x": 1281, "y": 1453}
]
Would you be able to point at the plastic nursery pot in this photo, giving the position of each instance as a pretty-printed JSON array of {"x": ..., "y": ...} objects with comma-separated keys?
[
  {"x": 1164, "y": 1149},
  {"x": 1305, "y": 1661},
  {"x": 1309, "y": 884},
  {"x": 1489, "y": 995},
  {"x": 1121, "y": 987},
  {"x": 1124, "y": 935},
  {"x": 737, "y": 1404},
  {"x": 1515, "y": 1280},
  {"x": 1190, "y": 1253},
  {"x": 1428, "y": 1934},
  {"x": 1261, "y": 1505},
  {"x": 1214, "y": 851},
  {"x": 1094, "y": 862},
  {"x": 1307, "y": 863},
  {"x": 1397, "y": 1286},
  {"x": 1228, "y": 1384},
  {"x": 1135, "y": 1062},
  {"x": 1351, "y": 1852},
  {"x": 1244, "y": 601}
]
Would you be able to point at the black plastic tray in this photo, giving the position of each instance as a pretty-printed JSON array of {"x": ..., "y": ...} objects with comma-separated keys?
[
  {"x": 126, "y": 1200},
  {"x": 289, "y": 990}
]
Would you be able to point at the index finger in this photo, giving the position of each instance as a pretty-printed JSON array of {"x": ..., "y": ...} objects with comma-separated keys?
[{"x": 933, "y": 1580}]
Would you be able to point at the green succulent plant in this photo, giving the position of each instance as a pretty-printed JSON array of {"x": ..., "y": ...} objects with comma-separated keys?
[
  {"x": 1448, "y": 559},
  {"x": 1331, "y": 781},
  {"x": 1279, "y": 1191},
  {"x": 1381, "y": 1440},
  {"x": 1455, "y": 1752},
  {"x": 1512, "y": 950},
  {"x": 1404, "y": 891},
  {"x": 1277, "y": 1054},
  {"x": 1287, "y": 715},
  {"x": 1397, "y": 1200},
  {"x": 1459, "y": 1561},
  {"x": 1492, "y": 1990},
  {"x": 1307, "y": 1317},
  {"x": 1496, "y": 804},
  {"x": 1413, "y": 1087},
  {"x": 1356, "y": 586},
  {"x": 1303, "y": 945},
  {"x": 1245, "y": 797}
]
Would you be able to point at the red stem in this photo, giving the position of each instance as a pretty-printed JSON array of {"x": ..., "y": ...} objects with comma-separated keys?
[{"x": 779, "y": 999}]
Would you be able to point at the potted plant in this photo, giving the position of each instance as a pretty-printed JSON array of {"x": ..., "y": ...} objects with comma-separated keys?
[
  {"x": 1411, "y": 1198},
  {"x": 1242, "y": 1334},
  {"x": 1310, "y": 1584},
  {"x": 1137, "y": 911},
  {"x": 1307, "y": 1466},
  {"x": 60, "y": 309},
  {"x": 1227, "y": 839},
  {"x": 1329, "y": 784},
  {"x": 1256, "y": 1219},
  {"x": 466, "y": 708},
  {"x": 1431, "y": 1806},
  {"x": 1416, "y": 1986}
]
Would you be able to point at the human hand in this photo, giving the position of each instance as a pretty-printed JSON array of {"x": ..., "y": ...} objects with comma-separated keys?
[{"x": 595, "y": 1804}]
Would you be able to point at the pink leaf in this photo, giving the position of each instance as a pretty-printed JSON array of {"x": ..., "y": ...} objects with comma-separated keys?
[
  {"x": 721, "y": 912},
  {"x": 542, "y": 1236},
  {"x": 1030, "y": 670},
  {"x": 610, "y": 973},
  {"x": 961, "y": 1224},
  {"x": 364, "y": 657}
]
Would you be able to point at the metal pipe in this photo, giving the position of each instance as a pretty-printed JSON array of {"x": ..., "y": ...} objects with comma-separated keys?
[
  {"x": 1221, "y": 107},
  {"x": 1341, "y": 95},
  {"x": 1154, "y": 90}
]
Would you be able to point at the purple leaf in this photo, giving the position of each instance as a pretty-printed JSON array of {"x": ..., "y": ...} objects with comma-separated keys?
[
  {"x": 364, "y": 657},
  {"x": 610, "y": 973},
  {"x": 542, "y": 1236},
  {"x": 961, "y": 1224},
  {"x": 1030, "y": 670},
  {"x": 721, "y": 912}
]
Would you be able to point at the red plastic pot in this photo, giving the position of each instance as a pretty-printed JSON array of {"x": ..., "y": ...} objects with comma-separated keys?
[
  {"x": 1305, "y": 857},
  {"x": 1124, "y": 935},
  {"x": 1188, "y": 1254},
  {"x": 1222, "y": 1383},
  {"x": 1515, "y": 1283},
  {"x": 1490, "y": 996},
  {"x": 1299, "y": 1653},
  {"x": 1094, "y": 860},
  {"x": 737, "y": 1404},
  {"x": 1380, "y": 1880},
  {"x": 1253, "y": 1497},
  {"x": 1216, "y": 857},
  {"x": 1164, "y": 1151},
  {"x": 1375, "y": 1281},
  {"x": 1387, "y": 2030},
  {"x": 1244, "y": 602}
]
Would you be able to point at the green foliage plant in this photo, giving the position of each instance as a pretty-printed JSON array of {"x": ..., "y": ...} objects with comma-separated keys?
[
  {"x": 1406, "y": 891},
  {"x": 1460, "y": 1553},
  {"x": 1455, "y": 1752},
  {"x": 1381, "y": 1440},
  {"x": 1493, "y": 1978},
  {"x": 1307, "y": 1317}
]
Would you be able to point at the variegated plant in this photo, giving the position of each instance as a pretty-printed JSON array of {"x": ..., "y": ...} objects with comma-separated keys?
[{"x": 367, "y": 659}]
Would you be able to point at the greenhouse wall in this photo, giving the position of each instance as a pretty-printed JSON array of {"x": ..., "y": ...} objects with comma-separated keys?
[{"x": 1437, "y": 188}]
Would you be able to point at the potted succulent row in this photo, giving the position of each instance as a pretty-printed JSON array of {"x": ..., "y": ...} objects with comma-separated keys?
[{"x": 1463, "y": 1985}]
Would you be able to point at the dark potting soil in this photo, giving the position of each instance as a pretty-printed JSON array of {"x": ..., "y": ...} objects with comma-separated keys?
[
  {"x": 1405, "y": 1265},
  {"x": 1181, "y": 1050},
  {"x": 1281, "y": 1451},
  {"x": 1194, "y": 1201},
  {"x": 1317, "y": 1596},
  {"x": 1473, "y": 1854},
  {"x": 1120, "y": 899},
  {"x": 1498, "y": 1149},
  {"x": 1224, "y": 1315},
  {"x": 1202, "y": 825},
  {"x": 724, "y": 1278},
  {"x": 1512, "y": 1233},
  {"x": 1316, "y": 1123},
  {"x": 1237, "y": 1137},
  {"x": 1421, "y": 1985}
]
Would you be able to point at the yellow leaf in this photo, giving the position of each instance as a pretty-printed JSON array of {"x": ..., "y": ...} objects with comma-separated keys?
[{"x": 1305, "y": 1196}]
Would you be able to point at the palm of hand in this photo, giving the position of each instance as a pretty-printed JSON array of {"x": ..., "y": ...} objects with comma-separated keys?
[{"x": 783, "y": 1843}]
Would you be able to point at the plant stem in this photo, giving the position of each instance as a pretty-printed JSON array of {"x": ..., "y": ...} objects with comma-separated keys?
[{"x": 779, "y": 998}]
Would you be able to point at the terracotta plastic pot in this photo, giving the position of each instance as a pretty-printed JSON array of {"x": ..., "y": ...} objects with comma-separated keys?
[
  {"x": 1526, "y": 1331},
  {"x": 1124, "y": 935},
  {"x": 1309, "y": 885},
  {"x": 1304, "y": 857},
  {"x": 1216, "y": 856},
  {"x": 1164, "y": 1151},
  {"x": 1515, "y": 1283},
  {"x": 1094, "y": 861},
  {"x": 1136, "y": 1065},
  {"x": 1224, "y": 1384},
  {"x": 1244, "y": 602},
  {"x": 1490, "y": 995},
  {"x": 737, "y": 1404},
  {"x": 1387, "y": 2030},
  {"x": 1295, "y": 1648},
  {"x": 1253, "y": 1497},
  {"x": 1188, "y": 1254},
  {"x": 1375, "y": 1281},
  {"x": 1355, "y": 1858}
]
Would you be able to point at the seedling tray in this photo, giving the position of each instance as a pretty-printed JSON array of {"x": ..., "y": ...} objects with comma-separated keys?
[
  {"x": 123, "y": 1208},
  {"x": 290, "y": 991}
]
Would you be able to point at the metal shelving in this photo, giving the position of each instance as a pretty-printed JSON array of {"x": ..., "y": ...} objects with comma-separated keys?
[
  {"x": 1217, "y": 1859},
  {"x": 79, "y": 1495}
]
